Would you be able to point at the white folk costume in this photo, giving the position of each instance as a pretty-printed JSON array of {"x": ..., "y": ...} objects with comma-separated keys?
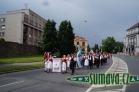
[
  {"x": 46, "y": 63},
  {"x": 86, "y": 63},
  {"x": 68, "y": 61},
  {"x": 50, "y": 63},
  {"x": 64, "y": 64}
]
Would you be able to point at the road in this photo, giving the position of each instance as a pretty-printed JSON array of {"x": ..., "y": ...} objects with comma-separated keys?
[
  {"x": 40, "y": 81},
  {"x": 133, "y": 69}
]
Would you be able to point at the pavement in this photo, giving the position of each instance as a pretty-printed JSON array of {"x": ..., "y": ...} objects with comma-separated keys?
[{"x": 18, "y": 64}]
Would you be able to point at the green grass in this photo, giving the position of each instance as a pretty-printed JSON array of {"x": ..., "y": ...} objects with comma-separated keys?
[
  {"x": 20, "y": 68},
  {"x": 21, "y": 59}
]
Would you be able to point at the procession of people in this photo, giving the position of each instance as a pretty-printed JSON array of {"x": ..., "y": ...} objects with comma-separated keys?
[{"x": 69, "y": 62}]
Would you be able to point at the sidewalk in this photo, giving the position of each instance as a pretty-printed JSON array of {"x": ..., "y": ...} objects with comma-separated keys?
[{"x": 18, "y": 64}]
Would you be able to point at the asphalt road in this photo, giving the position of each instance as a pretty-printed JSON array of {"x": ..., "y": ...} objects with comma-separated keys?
[
  {"x": 40, "y": 81},
  {"x": 133, "y": 68}
]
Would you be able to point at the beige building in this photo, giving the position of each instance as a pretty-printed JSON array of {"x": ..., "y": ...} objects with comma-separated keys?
[
  {"x": 22, "y": 26},
  {"x": 82, "y": 42}
]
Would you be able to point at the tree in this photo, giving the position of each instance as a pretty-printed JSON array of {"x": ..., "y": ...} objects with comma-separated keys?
[
  {"x": 88, "y": 48},
  {"x": 118, "y": 47},
  {"x": 1, "y": 39},
  {"x": 49, "y": 40},
  {"x": 108, "y": 44},
  {"x": 66, "y": 38}
]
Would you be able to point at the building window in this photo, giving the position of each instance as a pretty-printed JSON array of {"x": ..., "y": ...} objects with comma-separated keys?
[
  {"x": 2, "y": 20},
  {"x": 2, "y": 26},
  {"x": 1, "y": 34},
  {"x": 30, "y": 35},
  {"x": 83, "y": 43},
  {"x": 31, "y": 22},
  {"x": 35, "y": 24},
  {"x": 31, "y": 15},
  {"x": 26, "y": 19},
  {"x": 77, "y": 43},
  {"x": 35, "y": 37},
  {"x": 30, "y": 42}
]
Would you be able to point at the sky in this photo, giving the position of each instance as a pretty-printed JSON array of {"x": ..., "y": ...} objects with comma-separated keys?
[{"x": 105, "y": 18}]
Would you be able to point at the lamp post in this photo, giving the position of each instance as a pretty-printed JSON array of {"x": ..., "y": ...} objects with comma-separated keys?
[{"x": 81, "y": 22}]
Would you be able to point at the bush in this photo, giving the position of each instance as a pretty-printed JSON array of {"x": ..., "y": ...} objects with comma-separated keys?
[{"x": 1, "y": 39}]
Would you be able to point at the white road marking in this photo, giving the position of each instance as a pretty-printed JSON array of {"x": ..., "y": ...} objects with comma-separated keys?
[
  {"x": 119, "y": 66},
  {"x": 89, "y": 89},
  {"x": 12, "y": 83}
]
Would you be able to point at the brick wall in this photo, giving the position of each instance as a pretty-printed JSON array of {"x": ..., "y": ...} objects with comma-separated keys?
[{"x": 16, "y": 49}]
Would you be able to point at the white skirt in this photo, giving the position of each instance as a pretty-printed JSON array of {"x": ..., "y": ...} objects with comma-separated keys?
[
  {"x": 50, "y": 65},
  {"x": 64, "y": 66},
  {"x": 86, "y": 62},
  {"x": 46, "y": 63},
  {"x": 68, "y": 63}
]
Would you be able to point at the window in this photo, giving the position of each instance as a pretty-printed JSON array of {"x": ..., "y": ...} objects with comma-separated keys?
[
  {"x": 77, "y": 43},
  {"x": 30, "y": 42},
  {"x": 31, "y": 15},
  {"x": 39, "y": 26},
  {"x": 2, "y": 20},
  {"x": 35, "y": 36},
  {"x": 30, "y": 35},
  {"x": 1, "y": 34},
  {"x": 2, "y": 26},
  {"x": 83, "y": 43},
  {"x": 26, "y": 19},
  {"x": 31, "y": 22}
]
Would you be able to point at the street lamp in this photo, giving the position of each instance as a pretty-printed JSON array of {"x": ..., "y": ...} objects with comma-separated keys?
[{"x": 81, "y": 22}]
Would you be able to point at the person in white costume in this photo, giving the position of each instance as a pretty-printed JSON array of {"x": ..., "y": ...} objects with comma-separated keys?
[
  {"x": 50, "y": 64},
  {"x": 86, "y": 63},
  {"x": 46, "y": 63},
  {"x": 64, "y": 64},
  {"x": 68, "y": 58}
]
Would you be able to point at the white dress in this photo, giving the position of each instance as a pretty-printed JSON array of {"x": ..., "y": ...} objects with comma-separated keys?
[
  {"x": 64, "y": 66},
  {"x": 86, "y": 62},
  {"x": 68, "y": 61},
  {"x": 50, "y": 65},
  {"x": 46, "y": 63}
]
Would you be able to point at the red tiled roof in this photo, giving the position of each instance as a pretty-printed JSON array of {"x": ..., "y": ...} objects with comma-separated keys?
[{"x": 134, "y": 26}]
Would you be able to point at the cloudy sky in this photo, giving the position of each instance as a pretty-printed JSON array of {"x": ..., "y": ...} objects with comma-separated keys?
[{"x": 104, "y": 17}]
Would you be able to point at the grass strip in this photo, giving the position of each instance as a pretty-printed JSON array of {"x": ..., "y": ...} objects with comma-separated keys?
[
  {"x": 20, "y": 68},
  {"x": 21, "y": 59}
]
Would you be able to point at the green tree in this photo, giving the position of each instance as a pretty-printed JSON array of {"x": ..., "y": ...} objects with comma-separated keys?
[
  {"x": 118, "y": 47},
  {"x": 96, "y": 48},
  {"x": 88, "y": 48},
  {"x": 108, "y": 44},
  {"x": 1, "y": 39},
  {"x": 66, "y": 38},
  {"x": 49, "y": 40}
]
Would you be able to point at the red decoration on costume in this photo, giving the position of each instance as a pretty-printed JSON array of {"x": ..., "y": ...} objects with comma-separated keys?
[{"x": 45, "y": 56}]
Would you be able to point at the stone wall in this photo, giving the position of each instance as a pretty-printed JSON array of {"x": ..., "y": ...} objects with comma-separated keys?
[{"x": 15, "y": 49}]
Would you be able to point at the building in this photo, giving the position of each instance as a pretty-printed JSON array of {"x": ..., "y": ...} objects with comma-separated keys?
[
  {"x": 82, "y": 42},
  {"x": 131, "y": 41},
  {"x": 22, "y": 26}
]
